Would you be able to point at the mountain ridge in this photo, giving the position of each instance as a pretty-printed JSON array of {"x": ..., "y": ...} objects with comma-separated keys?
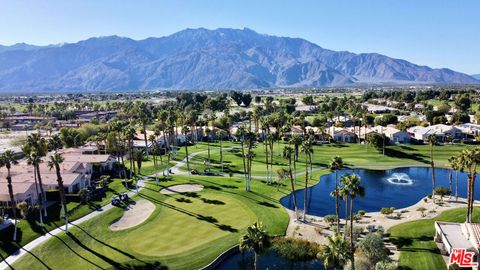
[{"x": 200, "y": 58}]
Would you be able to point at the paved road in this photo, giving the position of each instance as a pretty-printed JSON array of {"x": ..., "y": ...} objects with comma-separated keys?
[{"x": 30, "y": 246}]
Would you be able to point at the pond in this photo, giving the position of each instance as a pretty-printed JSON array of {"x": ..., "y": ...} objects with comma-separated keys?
[
  {"x": 399, "y": 188},
  {"x": 244, "y": 261}
]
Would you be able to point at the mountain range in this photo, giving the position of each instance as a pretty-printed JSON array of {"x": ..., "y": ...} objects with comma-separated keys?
[{"x": 203, "y": 59}]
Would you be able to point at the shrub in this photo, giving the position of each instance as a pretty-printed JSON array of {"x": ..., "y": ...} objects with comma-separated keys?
[
  {"x": 371, "y": 228},
  {"x": 387, "y": 211},
  {"x": 294, "y": 249},
  {"x": 357, "y": 217},
  {"x": 362, "y": 212},
  {"x": 357, "y": 231},
  {"x": 23, "y": 207},
  {"x": 84, "y": 195},
  {"x": 373, "y": 248},
  {"x": 442, "y": 191},
  {"x": 422, "y": 210},
  {"x": 361, "y": 263},
  {"x": 330, "y": 219},
  {"x": 380, "y": 230}
]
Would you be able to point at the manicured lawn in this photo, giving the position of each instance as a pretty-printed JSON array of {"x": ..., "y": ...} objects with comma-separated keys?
[
  {"x": 354, "y": 155},
  {"x": 181, "y": 234},
  {"x": 415, "y": 240},
  {"x": 189, "y": 233},
  {"x": 28, "y": 231}
]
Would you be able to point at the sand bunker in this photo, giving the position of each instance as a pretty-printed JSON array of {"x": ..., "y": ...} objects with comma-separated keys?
[
  {"x": 136, "y": 214},
  {"x": 181, "y": 189}
]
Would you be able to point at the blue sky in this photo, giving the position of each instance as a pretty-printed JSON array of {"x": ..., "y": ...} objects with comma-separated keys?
[{"x": 437, "y": 33}]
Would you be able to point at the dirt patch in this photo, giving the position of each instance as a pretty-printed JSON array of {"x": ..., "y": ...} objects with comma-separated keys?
[
  {"x": 181, "y": 189},
  {"x": 135, "y": 215}
]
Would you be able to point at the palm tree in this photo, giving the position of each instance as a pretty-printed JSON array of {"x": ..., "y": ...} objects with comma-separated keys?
[
  {"x": 469, "y": 159},
  {"x": 55, "y": 142},
  {"x": 137, "y": 156},
  {"x": 432, "y": 140},
  {"x": 241, "y": 132},
  {"x": 257, "y": 240},
  {"x": 143, "y": 114},
  {"x": 456, "y": 166},
  {"x": 220, "y": 135},
  {"x": 336, "y": 164},
  {"x": 55, "y": 160},
  {"x": 288, "y": 154},
  {"x": 153, "y": 140},
  {"x": 34, "y": 159},
  {"x": 7, "y": 159},
  {"x": 451, "y": 163},
  {"x": 335, "y": 254},
  {"x": 351, "y": 183},
  {"x": 307, "y": 149},
  {"x": 250, "y": 139},
  {"x": 37, "y": 146},
  {"x": 208, "y": 131},
  {"x": 296, "y": 141},
  {"x": 265, "y": 124},
  {"x": 185, "y": 130},
  {"x": 130, "y": 134}
]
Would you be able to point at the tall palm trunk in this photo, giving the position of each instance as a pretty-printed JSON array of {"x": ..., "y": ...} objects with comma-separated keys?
[
  {"x": 456, "y": 185},
  {"x": 295, "y": 170},
  {"x": 433, "y": 175},
  {"x": 168, "y": 163},
  {"x": 161, "y": 164},
  {"x": 124, "y": 172},
  {"x": 470, "y": 198},
  {"x": 306, "y": 190},
  {"x": 293, "y": 187},
  {"x": 155, "y": 166},
  {"x": 208, "y": 150},
  {"x": 12, "y": 201},
  {"x": 61, "y": 190},
  {"x": 43, "y": 198},
  {"x": 337, "y": 205},
  {"x": 450, "y": 179},
  {"x": 272, "y": 142},
  {"x": 266, "y": 159},
  {"x": 186, "y": 154},
  {"x": 36, "y": 191},
  {"x": 145, "y": 138},
  {"x": 221, "y": 156},
  {"x": 130, "y": 153},
  {"x": 352, "y": 246},
  {"x": 244, "y": 164},
  {"x": 249, "y": 167},
  {"x": 346, "y": 215},
  {"x": 255, "y": 261}
]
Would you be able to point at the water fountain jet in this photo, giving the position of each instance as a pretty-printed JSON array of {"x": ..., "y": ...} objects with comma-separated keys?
[{"x": 400, "y": 179}]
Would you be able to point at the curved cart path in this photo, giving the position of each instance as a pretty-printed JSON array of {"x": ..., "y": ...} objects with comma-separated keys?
[{"x": 5, "y": 264}]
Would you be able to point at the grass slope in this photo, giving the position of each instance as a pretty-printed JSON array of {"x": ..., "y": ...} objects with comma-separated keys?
[
  {"x": 28, "y": 230},
  {"x": 415, "y": 240}
]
